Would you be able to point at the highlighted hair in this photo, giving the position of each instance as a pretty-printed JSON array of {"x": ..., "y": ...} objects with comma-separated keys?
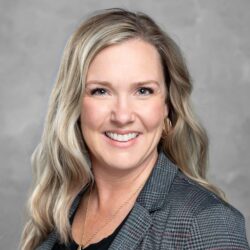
[{"x": 60, "y": 162}]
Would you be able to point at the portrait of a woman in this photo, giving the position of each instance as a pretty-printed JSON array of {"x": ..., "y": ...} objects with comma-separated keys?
[{"x": 122, "y": 160}]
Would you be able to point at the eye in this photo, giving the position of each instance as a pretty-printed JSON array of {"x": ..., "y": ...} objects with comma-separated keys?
[
  {"x": 98, "y": 91},
  {"x": 145, "y": 91}
]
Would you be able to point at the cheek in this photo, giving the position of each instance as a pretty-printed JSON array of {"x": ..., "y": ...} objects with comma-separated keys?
[
  {"x": 93, "y": 114},
  {"x": 153, "y": 115}
]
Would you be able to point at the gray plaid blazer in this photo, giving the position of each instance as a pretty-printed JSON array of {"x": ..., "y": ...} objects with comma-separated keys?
[{"x": 174, "y": 212}]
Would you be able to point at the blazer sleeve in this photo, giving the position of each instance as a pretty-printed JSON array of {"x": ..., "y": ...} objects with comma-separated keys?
[{"x": 218, "y": 227}]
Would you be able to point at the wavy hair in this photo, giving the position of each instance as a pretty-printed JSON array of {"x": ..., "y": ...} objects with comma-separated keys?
[{"x": 60, "y": 162}]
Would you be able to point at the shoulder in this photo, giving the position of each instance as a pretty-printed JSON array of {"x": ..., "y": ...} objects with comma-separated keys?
[
  {"x": 188, "y": 195},
  {"x": 207, "y": 220}
]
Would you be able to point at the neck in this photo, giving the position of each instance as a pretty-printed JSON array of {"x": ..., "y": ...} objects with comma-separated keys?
[{"x": 116, "y": 186}]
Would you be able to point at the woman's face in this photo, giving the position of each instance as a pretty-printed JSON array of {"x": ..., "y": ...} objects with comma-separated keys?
[{"x": 123, "y": 106}]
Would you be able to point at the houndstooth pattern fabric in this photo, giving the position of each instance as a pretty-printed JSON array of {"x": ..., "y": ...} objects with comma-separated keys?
[{"x": 174, "y": 212}]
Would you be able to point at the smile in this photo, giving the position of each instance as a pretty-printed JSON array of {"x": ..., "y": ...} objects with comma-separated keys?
[{"x": 121, "y": 138}]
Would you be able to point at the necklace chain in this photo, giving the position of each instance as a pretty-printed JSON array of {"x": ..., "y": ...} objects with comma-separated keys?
[{"x": 108, "y": 219}]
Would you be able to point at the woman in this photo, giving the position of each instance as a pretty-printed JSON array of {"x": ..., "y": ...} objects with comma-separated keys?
[{"x": 122, "y": 161}]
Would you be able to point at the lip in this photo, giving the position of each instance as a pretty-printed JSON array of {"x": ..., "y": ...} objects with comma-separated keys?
[
  {"x": 122, "y": 132},
  {"x": 119, "y": 144}
]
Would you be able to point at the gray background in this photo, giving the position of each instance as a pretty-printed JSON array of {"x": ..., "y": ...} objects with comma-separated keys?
[{"x": 214, "y": 36}]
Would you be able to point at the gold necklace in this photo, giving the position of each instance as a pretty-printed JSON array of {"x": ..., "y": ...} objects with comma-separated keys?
[
  {"x": 86, "y": 210},
  {"x": 109, "y": 219}
]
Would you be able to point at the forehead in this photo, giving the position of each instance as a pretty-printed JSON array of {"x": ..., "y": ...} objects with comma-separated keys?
[{"x": 131, "y": 61}]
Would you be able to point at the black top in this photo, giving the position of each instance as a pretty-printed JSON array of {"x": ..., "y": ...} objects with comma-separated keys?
[{"x": 101, "y": 245}]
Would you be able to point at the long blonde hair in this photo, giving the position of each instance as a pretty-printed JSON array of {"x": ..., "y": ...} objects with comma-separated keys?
[{"x": 60, "y": 162}]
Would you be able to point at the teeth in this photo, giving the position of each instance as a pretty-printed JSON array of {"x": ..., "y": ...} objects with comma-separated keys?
[{"x": 119, "y": 137}]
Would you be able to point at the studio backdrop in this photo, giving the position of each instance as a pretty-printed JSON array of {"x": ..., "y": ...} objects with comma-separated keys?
[{"x": 215, "y": 39}]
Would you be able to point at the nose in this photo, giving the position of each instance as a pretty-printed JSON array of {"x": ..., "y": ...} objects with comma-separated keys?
[{"x": 122, "y": 112}]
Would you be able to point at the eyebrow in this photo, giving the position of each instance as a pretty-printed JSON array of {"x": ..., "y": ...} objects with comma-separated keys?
[{"x": 105, "y": 83}]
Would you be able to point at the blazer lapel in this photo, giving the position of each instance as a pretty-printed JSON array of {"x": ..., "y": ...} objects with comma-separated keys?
[
  {"x": 133, "y": 230},
  {"x": 151, "y": 198}
]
